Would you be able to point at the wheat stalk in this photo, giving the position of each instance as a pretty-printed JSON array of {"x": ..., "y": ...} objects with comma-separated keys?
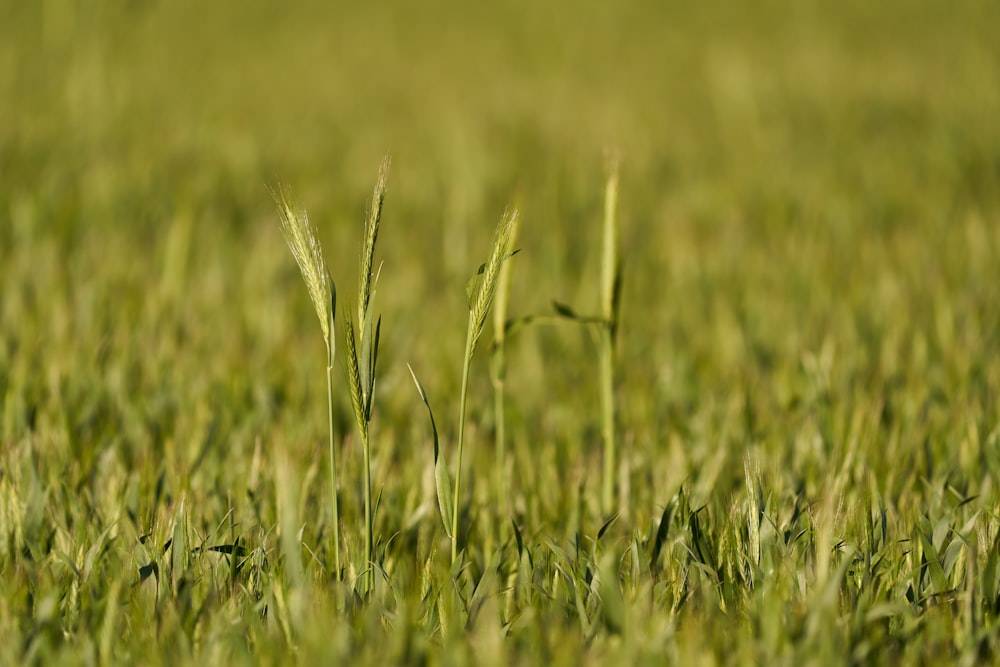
[
  {"x": 362, "y": 355},
  {"x": 301, "y": 239},
  {"x": 480, "y": 301}
]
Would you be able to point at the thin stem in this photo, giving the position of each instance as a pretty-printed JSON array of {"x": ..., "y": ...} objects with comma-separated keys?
[
  {"x": 608, "y": 416},
  {"x": 333, "y": 459},
  {"x": 501, "y": 462},
  {"x": 369, "y": 546},
  {"x": 610, "y": 259},
  {"x": 610, "y": 269},
  {"x": 499, "y": 371},
  {"x": 461, "y": 437}
]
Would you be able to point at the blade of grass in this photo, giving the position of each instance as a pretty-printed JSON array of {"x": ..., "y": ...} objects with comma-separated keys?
[{"x": 441, "y": 478}]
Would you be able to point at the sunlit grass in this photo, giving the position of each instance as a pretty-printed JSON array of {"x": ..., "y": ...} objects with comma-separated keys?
[{"x": 793, "y": 275}]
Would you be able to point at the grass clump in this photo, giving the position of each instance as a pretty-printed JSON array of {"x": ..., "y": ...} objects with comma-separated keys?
[{"x": 361, "y": 345}]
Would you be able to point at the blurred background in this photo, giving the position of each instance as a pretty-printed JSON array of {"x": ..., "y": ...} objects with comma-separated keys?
[{"x": 810, "y": 197}]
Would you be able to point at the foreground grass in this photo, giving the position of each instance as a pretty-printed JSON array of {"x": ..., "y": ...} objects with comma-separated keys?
[{"x": 806, "y": 366}]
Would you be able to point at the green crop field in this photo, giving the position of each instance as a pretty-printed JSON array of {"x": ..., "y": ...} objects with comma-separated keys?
[{"x": 703, "y": 299}]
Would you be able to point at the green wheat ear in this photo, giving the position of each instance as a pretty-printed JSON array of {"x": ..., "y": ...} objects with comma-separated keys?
[
  {"x": 367, "y": 279},
  {"x": 489, "y": 275},
  {"x": 301, "y": 239}
]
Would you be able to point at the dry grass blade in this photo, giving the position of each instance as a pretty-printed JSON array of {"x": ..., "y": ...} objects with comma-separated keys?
[
  {"x": 491, "y": 273},
  {"x": 301, "y": 239}
]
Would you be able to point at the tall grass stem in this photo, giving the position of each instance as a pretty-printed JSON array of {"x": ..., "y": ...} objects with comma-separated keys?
[
  {"x": 304, "y": 244},
  {"x": 466, "y": 365},
  {"x": 482, "y": 292},
  {"x": 610, "y": 284},
  {"x": 499, "y": 373},
  {"x": 333, "y": 457},
  {"x": 361, "y": 367}
]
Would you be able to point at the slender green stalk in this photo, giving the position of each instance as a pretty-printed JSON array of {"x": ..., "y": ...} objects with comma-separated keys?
[
  {"x": 610, "y": 277},
  {"x": 354, "y": 386},
  {"x": 369, "y": 516},
  {"x": 466, "y": 365},
  {"x": 333, "y": 452},
  {"x": 363, "y": 418},
  {"x": 607, "y": 418},
  {"x": 499, "y": 374},
  {"x": 606, "y": 325},
  {"x": 500, "y": 411}
]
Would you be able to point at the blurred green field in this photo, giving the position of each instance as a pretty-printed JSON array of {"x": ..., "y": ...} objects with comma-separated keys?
[{"x": 808, "y": 371}]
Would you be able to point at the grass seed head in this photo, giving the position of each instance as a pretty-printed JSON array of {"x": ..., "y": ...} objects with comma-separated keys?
[
  {"x": 301, "y": 239},
  {"x": 353, "y": 374},
  {"x": 371, "y": 236},
  {"x": 503, "y": 291},
  {"x": 491, "y": 273}
]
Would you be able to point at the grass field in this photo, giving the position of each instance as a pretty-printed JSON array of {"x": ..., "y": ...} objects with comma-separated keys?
[{"x": 805, "y": 368}]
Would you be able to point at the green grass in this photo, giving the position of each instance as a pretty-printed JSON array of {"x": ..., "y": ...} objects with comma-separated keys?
[{"x": 806, "y": 356}]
